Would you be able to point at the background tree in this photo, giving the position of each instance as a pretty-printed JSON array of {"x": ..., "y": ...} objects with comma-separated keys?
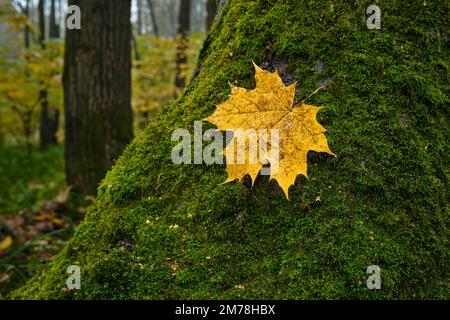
[
  {"x": 54, "y": 31},
  {"x": 139, "y": 24},
  {"x": 211, "y": 9},
  {"x": 153, "y": 18},
  {"x": 97, "y": 91},
  {"x": 49, "y": 118},
  {"x": 182, "y": 39}
]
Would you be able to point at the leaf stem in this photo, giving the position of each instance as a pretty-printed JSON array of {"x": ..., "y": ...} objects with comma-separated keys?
[{"x": 315, "y": 91}]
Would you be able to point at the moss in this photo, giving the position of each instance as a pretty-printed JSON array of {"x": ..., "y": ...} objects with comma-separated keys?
[{"x": 383, "y": 199}]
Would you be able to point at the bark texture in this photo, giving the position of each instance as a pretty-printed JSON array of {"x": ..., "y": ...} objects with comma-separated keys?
[{"x": 97, "y": 91}]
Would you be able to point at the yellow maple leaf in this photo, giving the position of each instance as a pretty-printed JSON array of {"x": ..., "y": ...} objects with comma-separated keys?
[
  {"x": 6, "y": 243},
  {"x": 270, "y": 106}
]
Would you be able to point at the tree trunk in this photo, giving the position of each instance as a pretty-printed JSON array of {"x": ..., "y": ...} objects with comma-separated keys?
[
  {"x": 27, "y": 27},
  {"x": 49, "y": 122},
  {"x": 54, "y": 26},
  {"x": 97, "y": 91},
  {"x": 27, "y": 131},
  {"x": 164, "y": 231},
  {"x": 135, "y": 48},
  {"x": 41, "y": 6},
  {"x": 139, "y": 17},
  {"x": 211, "y": 10},
  {"x": 153, "y": 18},
  {"x": 26, "y": 117},
  {"x": 49, "y": 119},
  {"x": 182, "y": 39}
]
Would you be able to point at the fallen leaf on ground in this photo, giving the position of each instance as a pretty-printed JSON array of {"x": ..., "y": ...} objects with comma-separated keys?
[
  {"x": 6, "y": 243},
  {"x": 62, "y": 197}
]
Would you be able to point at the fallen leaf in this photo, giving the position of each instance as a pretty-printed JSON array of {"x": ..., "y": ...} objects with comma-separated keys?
[
  {"x": 62, "y": 197},
  {"x": 90, "y": 198},
  {"x": 6, "y": 243},
  {"x": 3, "y": 277},
  {"x": 270, "y": 106}
]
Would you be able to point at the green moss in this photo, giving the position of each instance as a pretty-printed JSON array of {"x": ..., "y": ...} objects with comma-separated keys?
[{"x": 383, "y": 199}]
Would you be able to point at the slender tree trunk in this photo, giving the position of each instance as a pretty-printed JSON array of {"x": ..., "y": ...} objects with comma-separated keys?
[
  {"x": 139, "y": 17},
  {"x": 49, "y": 119},
  {"x": 97, "y": 91},
  {"x": 184, "y": 20},
  {"x": 135, "y": 47},
  {"x": 26, "y": 118},
  {"x": 153, "y": 18},
  {"x": 41, "y": 12},
  {"x": 27, "y": 130},
  {"x": 27, "y": 27},
  {"x": 54, "y": 25},
  {"x": 211, "y": 9}
]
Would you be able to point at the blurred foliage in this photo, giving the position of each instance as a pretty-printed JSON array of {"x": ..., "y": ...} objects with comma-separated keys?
[
  {"x": 24, "y": 72},
  {"x": 153, "y": 74}
]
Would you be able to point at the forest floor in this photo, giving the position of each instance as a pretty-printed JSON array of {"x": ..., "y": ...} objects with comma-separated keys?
[{"x": 38, "y": 214}]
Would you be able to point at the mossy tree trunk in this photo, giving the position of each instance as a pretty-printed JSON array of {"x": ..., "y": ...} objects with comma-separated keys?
[
  {"x": 97, "y": 91},
  {"x": 160, "y": 230}
]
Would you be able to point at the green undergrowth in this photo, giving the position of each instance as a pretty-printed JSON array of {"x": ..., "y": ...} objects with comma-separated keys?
[
  {"x": 28, "y": 181},
  {"x": 165, "y": 231}
]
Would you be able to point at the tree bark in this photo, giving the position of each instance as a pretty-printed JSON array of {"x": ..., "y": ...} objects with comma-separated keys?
[
  {"x": 184, "y": 21},
  {"x": 97, "y": 91}
]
